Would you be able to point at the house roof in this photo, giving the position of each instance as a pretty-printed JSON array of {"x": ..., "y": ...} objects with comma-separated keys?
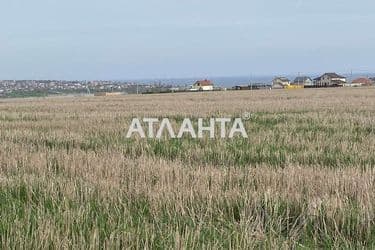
[
  {"x": 362, "y": 80},
  {"x": 301, "y": 79},
  {"x": 333, "y": 75},
  {"x": 204, "y": 83},
  {"x": 318, "y": 78}
]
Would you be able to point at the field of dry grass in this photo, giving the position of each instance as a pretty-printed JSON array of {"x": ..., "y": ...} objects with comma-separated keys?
[{"x": 304, "y": 178}]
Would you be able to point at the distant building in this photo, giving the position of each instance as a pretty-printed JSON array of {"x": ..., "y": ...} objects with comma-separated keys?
[
  {"x": 303, "y": 80},
  {"x": 204, "y": 85},
  {"x": 108, "y": 93},
  {"x": 242, "y": 87},
  {"x": 280, "y": 82},
  {"x": 174, "y": 89},
  {"x": 330, "y": 80},
  {"x": 363, "y": 81}
]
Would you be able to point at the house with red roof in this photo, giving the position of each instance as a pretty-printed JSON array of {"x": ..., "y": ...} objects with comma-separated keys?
[
  {"x": 203, "y": 85},
  {"x": 362, "y": 81}
]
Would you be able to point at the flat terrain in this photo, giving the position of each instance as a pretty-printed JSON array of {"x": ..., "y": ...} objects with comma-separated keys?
[{"x": 304, "y": 178}]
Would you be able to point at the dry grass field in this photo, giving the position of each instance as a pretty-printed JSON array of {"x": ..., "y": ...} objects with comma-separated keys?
[{"x": 304, "y": 178}]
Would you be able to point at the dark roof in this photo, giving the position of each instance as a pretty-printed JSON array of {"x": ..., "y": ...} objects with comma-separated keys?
[
  {"x": 333, "y": 75},
  {"x": 301, "y": 79},
  {"x": 318, "y": 78}
]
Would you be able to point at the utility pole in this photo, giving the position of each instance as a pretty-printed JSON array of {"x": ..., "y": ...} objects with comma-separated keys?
[
  {"x": 87, "y": 87},
  {"x": 251, "y": 83}
]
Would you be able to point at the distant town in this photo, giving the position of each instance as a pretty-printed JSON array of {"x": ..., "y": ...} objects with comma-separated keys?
[
  {"x": 40, "y": 88},
  {"x": 28, "y": 88}
]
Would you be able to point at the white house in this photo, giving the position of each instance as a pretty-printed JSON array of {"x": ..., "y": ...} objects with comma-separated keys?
[
  {"x": 330, "y": 80},
  {"x": 280, "y": 82},
  {"x": 303, "y": 80}
]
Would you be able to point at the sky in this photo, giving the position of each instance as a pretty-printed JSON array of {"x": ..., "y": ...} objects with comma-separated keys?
[{"x": 122, "y": 39}]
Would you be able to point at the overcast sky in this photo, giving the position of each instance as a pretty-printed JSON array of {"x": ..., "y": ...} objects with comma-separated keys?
[{"x": 122, "y": 39}]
